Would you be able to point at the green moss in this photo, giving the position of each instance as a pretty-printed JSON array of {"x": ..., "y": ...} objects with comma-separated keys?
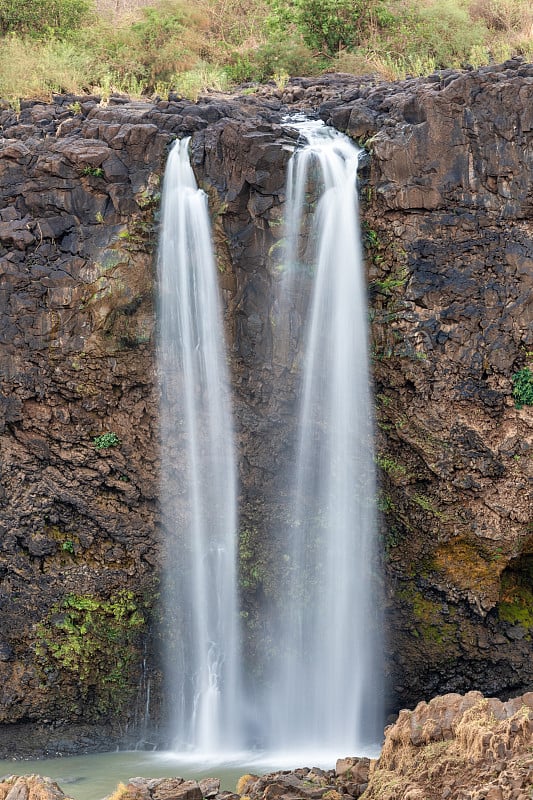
[
  {"x": 470, "y": 565},
  {"x": 429, "y": 624},
  {"x": 385, "y": 503},
  {"x": 390, "y": 466},
  {"x": 392, "y": 540},
  {"x": 139, "y": 236},
  {"x": 426, "y": 504},
  {"x": 251, "y": 573},
  {"x": 93, "y": 639},
  {"x": 105, "y": 441},
  {"x": 387, "y": 285},
  {"x": 112, "y": 259},
  {"x": 68, "y": 542},
  {"x": 94, "y": 172},
  {"x": 516, "y": 603}
]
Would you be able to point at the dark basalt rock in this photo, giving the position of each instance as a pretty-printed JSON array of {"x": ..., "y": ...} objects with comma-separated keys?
[{"x": 446, "y": 193}]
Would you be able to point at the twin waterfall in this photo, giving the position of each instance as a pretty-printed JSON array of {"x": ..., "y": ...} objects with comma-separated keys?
[{"x": 319, "y": 695}]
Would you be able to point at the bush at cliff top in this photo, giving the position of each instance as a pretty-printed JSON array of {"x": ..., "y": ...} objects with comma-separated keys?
[
  {"x": 42, "y": 18},
  {"x": 65, "y": 46},
  {"x": 325, "y": 25}
]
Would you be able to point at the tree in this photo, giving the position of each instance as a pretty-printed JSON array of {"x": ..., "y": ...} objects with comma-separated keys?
[
  {"x": 41, "y": 18},
  {"x": 326, "y": 26}
]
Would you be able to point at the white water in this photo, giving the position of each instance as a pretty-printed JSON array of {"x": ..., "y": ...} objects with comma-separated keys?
[
  {"x": 198, "y": 491},
  {"x": 325, "y": 691}
]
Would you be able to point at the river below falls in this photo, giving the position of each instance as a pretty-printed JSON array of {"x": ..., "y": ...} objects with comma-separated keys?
[{"x": 92, "y": 777}]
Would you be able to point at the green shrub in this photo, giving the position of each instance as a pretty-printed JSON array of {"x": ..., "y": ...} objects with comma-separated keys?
[
  {"x": 193, "y": 82},
  {"x": 288, "y": 55},
  {"x": 446, "y": 32},
  {"x": 106, "y": 440},
  {"x": 63, "y": 46},
  {"x": 93, "y": 172},
  {"x": 42, "y": 18},
  {"x": 326, "y": 26},
  {"x": 523, "y": 387}
]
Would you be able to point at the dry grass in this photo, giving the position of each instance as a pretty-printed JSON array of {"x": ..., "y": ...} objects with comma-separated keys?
[
  {"x": 32, "y": 69},
  {"x": 120, "y": 7},
  {"x": 143, "y": 47},
  {"x": 507, "y": 16},
  {"x": 451, "y": 739},
  {"x": 480, "y": 734},
  {"x": 121, "y": 793}
]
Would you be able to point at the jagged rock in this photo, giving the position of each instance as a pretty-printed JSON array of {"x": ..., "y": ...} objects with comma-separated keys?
[
  {"x": 353, "y": 769},
  {"x": 210, "y": 787},
  {"x": 457, "y": 747},
  {"x": 30, "y": 787},
  {"x": 159, "y": 789}
]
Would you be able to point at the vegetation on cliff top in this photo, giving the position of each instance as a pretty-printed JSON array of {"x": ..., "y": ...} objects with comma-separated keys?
[{"x": 144, "y": 48}]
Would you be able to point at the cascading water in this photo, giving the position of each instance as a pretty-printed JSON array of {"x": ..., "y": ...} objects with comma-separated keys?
[
  {"x": 198, "y": 488},
  {"x": 325, "y": 693}
]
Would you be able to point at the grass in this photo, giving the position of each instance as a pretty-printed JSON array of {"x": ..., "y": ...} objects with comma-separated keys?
[{"x": 145, "y": 48}]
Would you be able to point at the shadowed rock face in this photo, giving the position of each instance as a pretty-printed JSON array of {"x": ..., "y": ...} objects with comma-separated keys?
[{"x": 446, "y": 192}]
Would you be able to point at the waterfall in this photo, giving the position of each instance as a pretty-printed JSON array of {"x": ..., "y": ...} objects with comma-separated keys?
[
  {"x": 198, "y": 483},
  {"x": 325, "y": 690}
]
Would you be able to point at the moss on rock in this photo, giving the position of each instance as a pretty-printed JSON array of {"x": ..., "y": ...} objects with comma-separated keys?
[{"x": 94, "y": 640}]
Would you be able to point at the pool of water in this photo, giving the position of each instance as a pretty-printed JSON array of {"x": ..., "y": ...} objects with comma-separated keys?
[{"x": 92, "y": 777}]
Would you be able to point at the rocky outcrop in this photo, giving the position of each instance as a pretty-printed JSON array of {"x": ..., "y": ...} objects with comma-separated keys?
[
  {"x": 78, "y": 547},
  {"x": 166, "y": 789},
  {"x": 456, "y": 746},
  {"x": 30, "y": 787},
  {"x": 446, "y": 201}
]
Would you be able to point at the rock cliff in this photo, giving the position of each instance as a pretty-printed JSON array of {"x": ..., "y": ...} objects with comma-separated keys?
[{"x": 447, "y": 200}]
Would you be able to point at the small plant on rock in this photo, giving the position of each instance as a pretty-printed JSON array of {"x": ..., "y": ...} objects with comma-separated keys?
[
  {"x": 523, "y": 387},
  {"x": 94, "y": 172},
  {"x": 106, "y": 440}
]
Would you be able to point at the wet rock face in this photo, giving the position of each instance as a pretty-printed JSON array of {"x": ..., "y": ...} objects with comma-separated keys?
[
  {"x": 446, "y": 195},
  {"x": 80, "y": 556}
]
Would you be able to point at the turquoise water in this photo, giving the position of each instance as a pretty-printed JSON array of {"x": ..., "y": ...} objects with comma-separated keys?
[{"x": 92, "y": 777}]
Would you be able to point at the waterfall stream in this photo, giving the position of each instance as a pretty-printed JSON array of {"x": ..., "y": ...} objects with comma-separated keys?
[
  {"x": 321, "y": 690},
  {"x": 325, "y": 683},
  {"x": 198, "y": 475}
]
